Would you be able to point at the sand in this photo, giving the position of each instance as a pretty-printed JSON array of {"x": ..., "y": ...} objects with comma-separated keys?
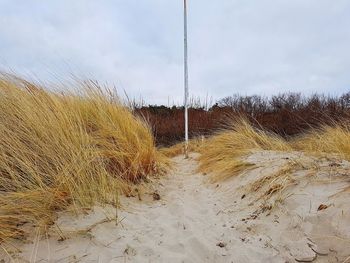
[{"x": 270, "y": 213}]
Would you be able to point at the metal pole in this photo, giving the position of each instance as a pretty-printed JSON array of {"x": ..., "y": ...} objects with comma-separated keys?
[{"x": 186, "y": 79}]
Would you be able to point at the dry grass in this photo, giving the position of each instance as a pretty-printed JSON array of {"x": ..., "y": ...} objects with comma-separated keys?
[
  {"x": 275, "y": 183},
  {"x": 328, "y": 139},
  {"x": 62, "y": 150},
  {"x": 221, "y": 154},
  {"x": 179, "y": 148}
]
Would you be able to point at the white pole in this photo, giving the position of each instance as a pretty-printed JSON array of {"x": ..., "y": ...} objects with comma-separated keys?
[{"x": 186, "y": 79}]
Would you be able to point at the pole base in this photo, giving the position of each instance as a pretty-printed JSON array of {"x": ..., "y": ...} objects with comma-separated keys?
[{"x": 186, "y": 150}]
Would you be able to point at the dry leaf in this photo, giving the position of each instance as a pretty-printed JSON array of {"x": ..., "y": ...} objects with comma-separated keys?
[{"x": 322, "y": 207}]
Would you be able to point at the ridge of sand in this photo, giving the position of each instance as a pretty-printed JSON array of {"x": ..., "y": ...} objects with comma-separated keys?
[{"x": 195, "y": 221}]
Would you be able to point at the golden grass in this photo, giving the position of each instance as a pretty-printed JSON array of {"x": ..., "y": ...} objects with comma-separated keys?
[
  {"x": 275, "y": 183},
  {"x": 221, "y": 154},
  {"x": 328, "y": 139},
  {"x": 179, "y": 148},
  {"x": 62, "y": 150}
]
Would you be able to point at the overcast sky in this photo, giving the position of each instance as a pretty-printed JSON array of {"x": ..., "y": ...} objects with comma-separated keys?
[{"x": 235, "y": 46}]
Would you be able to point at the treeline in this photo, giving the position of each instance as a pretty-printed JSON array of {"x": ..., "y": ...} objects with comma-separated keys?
[{"x": 287, "y": 114}]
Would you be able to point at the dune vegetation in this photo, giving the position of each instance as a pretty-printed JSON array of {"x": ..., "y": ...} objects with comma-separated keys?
[
  {"x": 287, "y": 114},
  {"x": 221, "y": 154},
  {"x": 194, "y": 145},
  {"x": 66, "y": 150},
  {"x": 327, "y": 139}
]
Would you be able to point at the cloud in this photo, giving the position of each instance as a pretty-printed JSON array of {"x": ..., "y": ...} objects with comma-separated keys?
[{"x": 256, "y": 46}]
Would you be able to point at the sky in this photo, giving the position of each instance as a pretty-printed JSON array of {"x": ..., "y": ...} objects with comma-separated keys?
[{"x": 248, "y": 47}]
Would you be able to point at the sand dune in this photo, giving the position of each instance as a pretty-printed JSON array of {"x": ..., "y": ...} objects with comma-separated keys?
[{"x": 286, "y": 208}]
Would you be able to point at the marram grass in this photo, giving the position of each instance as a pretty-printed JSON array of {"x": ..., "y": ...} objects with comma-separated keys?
[
  {"x": 333, "y": 139},
  {"x": 66, "y": 150},
  {"x": 179, "y": 148},
  {"x": 222, "y": 154}
]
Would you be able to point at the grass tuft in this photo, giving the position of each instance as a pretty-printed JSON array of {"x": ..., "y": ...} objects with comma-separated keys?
[
  {"x": 59, "y": 150},
  {"x": 179, "y": 148},
  {"x": 328, "y": 139},
  {"x": 221, "y": 154}
]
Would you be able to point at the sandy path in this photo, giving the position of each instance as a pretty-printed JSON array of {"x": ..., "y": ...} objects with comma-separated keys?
[
  {"x": 195, "y": 221},
  {"x": 184, "y": 226}
]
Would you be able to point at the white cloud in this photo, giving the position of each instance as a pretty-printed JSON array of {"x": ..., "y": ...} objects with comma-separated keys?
[{"x": 254, "y": 46}]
